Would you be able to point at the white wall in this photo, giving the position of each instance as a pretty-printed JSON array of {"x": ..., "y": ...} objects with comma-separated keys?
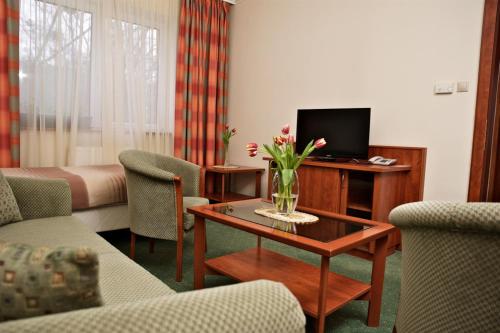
[{"x": 383, "y": 54}]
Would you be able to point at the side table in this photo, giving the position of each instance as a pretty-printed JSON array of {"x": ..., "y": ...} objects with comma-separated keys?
[{"x": 218, "y": 182}]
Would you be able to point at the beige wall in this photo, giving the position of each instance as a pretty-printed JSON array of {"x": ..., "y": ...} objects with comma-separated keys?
[{"x": 383, "y": 54}]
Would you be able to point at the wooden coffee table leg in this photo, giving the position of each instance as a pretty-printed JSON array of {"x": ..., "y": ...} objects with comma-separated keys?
[
  {"x": 199, "y": 251},
  {"x": 323, "y": 285},
  {"x": 378, "y": 270}
]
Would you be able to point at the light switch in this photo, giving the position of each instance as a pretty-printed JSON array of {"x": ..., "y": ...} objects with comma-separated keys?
[
  {"x": 444, "y": 87},
  {"x": 462, "y": 86}
]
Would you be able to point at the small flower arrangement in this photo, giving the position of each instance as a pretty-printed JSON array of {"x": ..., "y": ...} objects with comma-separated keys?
[
  {"x": 287, "y": 161},
  {"x": 227, "y": 134}
]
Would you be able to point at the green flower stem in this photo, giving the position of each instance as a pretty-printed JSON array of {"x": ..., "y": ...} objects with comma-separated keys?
[{"x": 285, "y": 198}]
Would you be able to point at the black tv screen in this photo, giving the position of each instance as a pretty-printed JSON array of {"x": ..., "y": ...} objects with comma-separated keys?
[{"x": 346, "y": 131}]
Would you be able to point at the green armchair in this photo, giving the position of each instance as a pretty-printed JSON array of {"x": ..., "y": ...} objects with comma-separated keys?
[
  {"x": 450, "y": 280},
  {"x": 159, "y": 189}
]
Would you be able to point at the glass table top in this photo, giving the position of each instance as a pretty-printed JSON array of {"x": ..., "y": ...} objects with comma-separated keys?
[{"x": 325, "y": 230}]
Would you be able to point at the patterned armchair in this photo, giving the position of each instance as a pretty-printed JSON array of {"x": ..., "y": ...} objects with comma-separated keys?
[
  {"x": 159, "y": 189},
  {"x": 450, "y": 267}
]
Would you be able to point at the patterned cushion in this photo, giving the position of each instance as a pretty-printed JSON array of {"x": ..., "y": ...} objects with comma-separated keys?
[
  {"x": 9, "y": 210},
  {"x": 38, "y": 198},
  {"x": 38, "y": 281}
]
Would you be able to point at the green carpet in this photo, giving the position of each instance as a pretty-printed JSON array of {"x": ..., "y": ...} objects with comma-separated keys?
[{"x": 222, "y": 240}]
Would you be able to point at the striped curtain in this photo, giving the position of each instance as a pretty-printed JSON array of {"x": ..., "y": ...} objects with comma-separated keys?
[
  {"x": 201, "y": 88},
  {"x": 9, "y": 83}
]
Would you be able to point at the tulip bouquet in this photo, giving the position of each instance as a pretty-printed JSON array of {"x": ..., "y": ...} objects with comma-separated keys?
[
  {"x": 226, "y": 136},
  {"x": 287, "y": 161}
]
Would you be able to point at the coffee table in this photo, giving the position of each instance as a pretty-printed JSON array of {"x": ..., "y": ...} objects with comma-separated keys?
[{"x": 319, "y": 291}]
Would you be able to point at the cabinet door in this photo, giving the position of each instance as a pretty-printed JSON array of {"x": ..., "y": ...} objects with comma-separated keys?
[{"x": 319, "y": 188}]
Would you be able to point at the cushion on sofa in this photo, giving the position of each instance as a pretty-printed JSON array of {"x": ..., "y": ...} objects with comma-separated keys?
[
  {"x": 123, "y": 281},
  {"x": 53, "y": 232},
  {"x": 9, "y": 210},
  {"x": 40, "y": 280}
]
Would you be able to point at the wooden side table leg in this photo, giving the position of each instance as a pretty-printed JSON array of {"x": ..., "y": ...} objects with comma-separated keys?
[
  {"x": 199, "y": 252},
  {"x": 258, "y": 177},
  {"x": 209, "y": 183},
  {"x": 377, "y": 282},
  {"x": 323, "y": 285},
  {"x": 132, "y": 245},
  {"x": 223, "y": 187},
  {"x": 259, "y": 242}
]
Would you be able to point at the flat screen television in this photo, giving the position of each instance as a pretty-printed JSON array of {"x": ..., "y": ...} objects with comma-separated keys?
[{"x": 346, "y": 131}]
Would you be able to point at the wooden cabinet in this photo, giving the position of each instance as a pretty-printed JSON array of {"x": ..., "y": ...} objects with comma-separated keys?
[
  {"x": 321, "y": 196},
  {"x": 363, "y": 190}
]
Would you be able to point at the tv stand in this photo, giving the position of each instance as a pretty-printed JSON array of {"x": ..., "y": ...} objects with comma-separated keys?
[{"x": 363, "y": 190}]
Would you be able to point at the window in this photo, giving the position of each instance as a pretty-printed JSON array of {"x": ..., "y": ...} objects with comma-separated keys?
[
  {"x": 96, "y": 77},
  {"x": 55, "y": 50}
]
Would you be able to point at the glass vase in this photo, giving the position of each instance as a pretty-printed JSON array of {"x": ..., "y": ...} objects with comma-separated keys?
[
  {"x": 226, "y": 154},
  {"x": 285, "y": 191}
]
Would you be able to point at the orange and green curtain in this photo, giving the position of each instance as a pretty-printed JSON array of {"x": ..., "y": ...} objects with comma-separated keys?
[
  {"x": 201, "y": 82},
  {"x": 9, "y": 83}
]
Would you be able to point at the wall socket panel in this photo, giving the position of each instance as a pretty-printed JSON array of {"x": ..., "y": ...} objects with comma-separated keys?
[
  {"x": 462, "y": 86},
  {"x": 444, "y": 87}
]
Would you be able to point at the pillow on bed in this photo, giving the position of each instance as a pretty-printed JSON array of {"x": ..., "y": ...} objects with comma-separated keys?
[
  {"x": 9, "y": 210},
  {"x": 38, "y": 280}
]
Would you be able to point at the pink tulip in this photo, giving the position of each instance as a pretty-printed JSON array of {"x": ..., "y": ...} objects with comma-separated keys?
[
  {"x": 252, "y": 147},
  {"x": 291, "y": 139},
  {"x": 233, "y": 130},
  {"x": 278, "y": 140},
  {"x": 285, "y": 130},
  {"x": 252, "y": 153},
  {"x": 320, "y": 143},
  {"x": 226, "y": 127}
]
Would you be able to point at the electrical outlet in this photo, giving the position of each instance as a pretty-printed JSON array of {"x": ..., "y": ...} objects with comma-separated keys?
[
  {"x": 462, "y": 86},
  {"x": 443, "y": 88}
]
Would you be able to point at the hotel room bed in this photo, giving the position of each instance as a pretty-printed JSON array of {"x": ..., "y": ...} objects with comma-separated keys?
[{"x": 99, "y": 192}]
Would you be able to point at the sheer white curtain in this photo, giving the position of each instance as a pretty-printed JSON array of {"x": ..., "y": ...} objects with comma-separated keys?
[{"x": 96, "y": 77}]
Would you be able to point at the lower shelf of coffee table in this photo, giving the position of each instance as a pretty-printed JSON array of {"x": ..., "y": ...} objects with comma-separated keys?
[{"x": 301, "y": 278}]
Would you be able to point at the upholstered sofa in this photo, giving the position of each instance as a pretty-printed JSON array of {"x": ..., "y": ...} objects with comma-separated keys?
[{"x": 134, "y": 300}]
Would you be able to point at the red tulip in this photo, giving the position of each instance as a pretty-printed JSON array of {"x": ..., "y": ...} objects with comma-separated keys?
[
  {"x": 320, "y": 143},
  {"x": 233, "y": 130},
  {"x": 226, "y": 127},
  {"x": 278, "y": 140},
  {"x": 252, "y": 145},
  {"x": 252, "y": 153},
  {"x": 286, "y": 129}
]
